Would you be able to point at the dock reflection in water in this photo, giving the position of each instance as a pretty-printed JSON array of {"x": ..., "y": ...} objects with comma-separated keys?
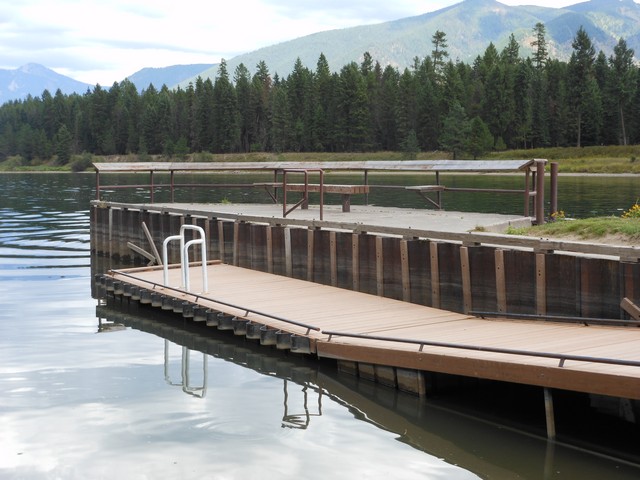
[{"x": 486, "y": 448}]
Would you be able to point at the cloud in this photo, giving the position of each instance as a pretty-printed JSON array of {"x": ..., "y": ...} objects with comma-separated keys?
[
  {"x": 99, "y": 41},
  {"x": 94, "y": 40}
]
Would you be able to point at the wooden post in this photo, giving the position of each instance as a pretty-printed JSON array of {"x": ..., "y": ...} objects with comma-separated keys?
[
  {"x": 540, "y": 191},
  {"x": 221, "y": 239},
  {"x": 288, "y": 260},
  {"x": 501, "y": 287},
  {"x": 154, "y": 250},
  {"x": 172, "y": 188},
  {"x": 466, "y": 279},
  {"x": 208, "y": 236},
  {"x": 406, "y": 279},
  {"x": 541, "y": 284},
  {"x": 527, "y": 191},
  {"x": 110, "y": 232},
  {"x": 333, "y": 258},
  {"x": 310, "y": 249},
  {"x": 631, "y": 308},
  {"x": 366, "y": 182},
  {"x": 435, "y": 275},
  {"x": 236, "y": 236},
  {"x": 550, "y": 417},
  {"x": 554, "y": 188},
  {"x": 379, "y": 267},
  {"x": 355, "y": 261},
  {"x": 269, "y": 249},
  {"x": 151, "y": 187}
]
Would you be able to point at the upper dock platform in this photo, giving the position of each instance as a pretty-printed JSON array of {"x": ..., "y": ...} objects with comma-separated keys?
[
  {"x": 532, "y": 171},
  {"x": 384, "y": 219}
]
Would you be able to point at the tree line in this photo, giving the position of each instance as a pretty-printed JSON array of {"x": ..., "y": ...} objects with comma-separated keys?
[{"x": 500, "y": 101}]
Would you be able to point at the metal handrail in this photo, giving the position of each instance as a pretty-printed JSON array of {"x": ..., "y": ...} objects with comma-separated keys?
[
  {"x": 184, "y": 256},
  {"x": 198, "y": 296},
  {"x": 586, "y": 321},
  {"x": 305, "y": 195},
  {"x": 507, "y": 351}
]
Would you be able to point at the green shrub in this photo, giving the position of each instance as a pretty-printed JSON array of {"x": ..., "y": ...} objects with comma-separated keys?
[{"x": 82, "y": 162}]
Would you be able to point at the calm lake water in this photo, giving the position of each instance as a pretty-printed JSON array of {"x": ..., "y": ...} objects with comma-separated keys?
[{"x": 94, "y": 390}]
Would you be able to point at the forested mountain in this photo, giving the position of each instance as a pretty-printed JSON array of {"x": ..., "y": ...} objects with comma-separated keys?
[
  {"x": 501, "y": 100},
  {"x": 470, "y": 26}
]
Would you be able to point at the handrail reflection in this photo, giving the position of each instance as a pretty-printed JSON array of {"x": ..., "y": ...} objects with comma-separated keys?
[
  {"x": 299, "y": 420},
  {"x": 184, "y": 371}
]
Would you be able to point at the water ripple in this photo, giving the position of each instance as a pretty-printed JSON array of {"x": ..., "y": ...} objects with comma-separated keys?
[{"x": 37, "y": 241}]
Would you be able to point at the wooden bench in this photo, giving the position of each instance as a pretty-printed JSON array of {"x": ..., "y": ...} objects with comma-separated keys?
[
  {"x": 424, "y": 190},
  {"x": 345, "y": 190}
]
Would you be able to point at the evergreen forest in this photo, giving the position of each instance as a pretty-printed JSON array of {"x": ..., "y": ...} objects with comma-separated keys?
[{"x": 501, "y": 101}]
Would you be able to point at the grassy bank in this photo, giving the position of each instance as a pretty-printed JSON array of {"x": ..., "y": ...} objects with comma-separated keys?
[
  {"x": 611, "y": 159},
  {"x": 603, "y": 160},
  {"x": 621, "y": 230}
]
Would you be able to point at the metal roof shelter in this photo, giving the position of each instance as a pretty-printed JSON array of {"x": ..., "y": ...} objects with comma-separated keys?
[
  {"x": 533, "y": 170},
  {"x": 470, "y": 166}
]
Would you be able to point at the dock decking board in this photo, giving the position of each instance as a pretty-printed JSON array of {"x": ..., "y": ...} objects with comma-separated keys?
[{"x": 334, "y": 309}]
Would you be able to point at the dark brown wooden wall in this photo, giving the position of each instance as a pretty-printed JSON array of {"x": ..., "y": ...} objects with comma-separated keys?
[{"x": 445, "y": 275}]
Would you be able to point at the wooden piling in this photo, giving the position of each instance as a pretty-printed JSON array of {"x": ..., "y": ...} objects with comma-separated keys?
[
  {"x": 501, "y": 288},
  {"x": 435, "y": 275},
  {"x": 355, "y": 261}
]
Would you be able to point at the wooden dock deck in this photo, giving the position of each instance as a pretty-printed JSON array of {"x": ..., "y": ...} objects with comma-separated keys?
[{"x": 393, "y": 336}]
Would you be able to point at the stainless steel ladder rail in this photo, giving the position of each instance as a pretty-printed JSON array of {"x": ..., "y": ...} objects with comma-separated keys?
[{"x": 184, "y": 257}]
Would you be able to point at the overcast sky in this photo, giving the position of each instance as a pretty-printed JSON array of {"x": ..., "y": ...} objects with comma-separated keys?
[{"x": 104, "y": 41}]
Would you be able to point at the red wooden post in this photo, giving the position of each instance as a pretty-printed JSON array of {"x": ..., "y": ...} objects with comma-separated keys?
[
  {"x": 554, "y": 187},
  {"x": 540, "y": 191}
]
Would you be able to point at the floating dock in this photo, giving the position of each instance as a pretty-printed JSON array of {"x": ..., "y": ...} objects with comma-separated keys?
[
  {"x": 391, "y": 341},
  {"x": 393, "y": 295}
]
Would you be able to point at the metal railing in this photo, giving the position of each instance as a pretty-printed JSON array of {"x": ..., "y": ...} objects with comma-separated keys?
[
  {"x": 184, "y": 256},
  {"x": 304, "y": 201},
  {"x": 478, "y": 348}
]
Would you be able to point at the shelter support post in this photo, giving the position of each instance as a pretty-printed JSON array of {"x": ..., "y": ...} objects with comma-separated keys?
[
  {"x": 554, "y": 188},
  {"x": 540, "y": 191}
]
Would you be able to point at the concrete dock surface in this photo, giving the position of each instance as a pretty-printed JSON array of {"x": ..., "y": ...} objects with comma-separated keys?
[{"x": 390, "y": 217}]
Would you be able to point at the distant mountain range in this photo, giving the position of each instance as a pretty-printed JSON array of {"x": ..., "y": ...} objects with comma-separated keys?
[
  {"x": 169, "y": 76},
  {"x": 33, "y": 79},
  {"x": 469, "y": 26}
]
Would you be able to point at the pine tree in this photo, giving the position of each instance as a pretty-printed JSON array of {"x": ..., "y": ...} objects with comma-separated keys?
[
  {"x": 63, "y": 145},
  {"x": 226, "y": 130},
  {"x": 455, "y": 131},
  {"x": 242, "y": 79},
  {"x": 280, "y": 118},
  {"x": 439, "y": 54},
  {"x": 387, "y": 102},
  {"x": 581, "y": 81},
  {"x": 539, "y": 45},
  {"x": 260, "y": 107},
  {"x": 353, "y": 105},
  {"x": 324, "y": 107},
  {"x": 623, "y": 83},
  {"x": 480, "y": 138}
]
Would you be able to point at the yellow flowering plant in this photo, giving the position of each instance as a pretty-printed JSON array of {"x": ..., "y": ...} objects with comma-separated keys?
[{"x": 633, "y": 212}]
